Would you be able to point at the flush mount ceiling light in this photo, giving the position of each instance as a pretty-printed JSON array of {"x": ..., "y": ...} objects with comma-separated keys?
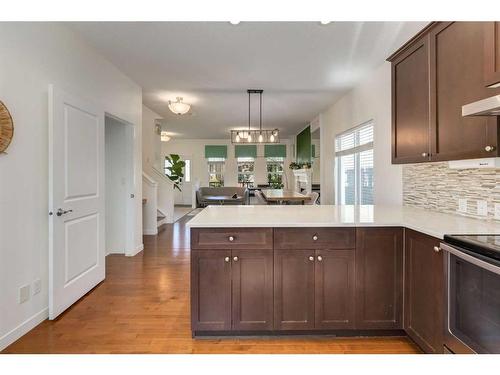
[
  {"x": 324, "y": 22},
  {"x": 164, "y": 136},
  {"x": 255, "y": 136},
  {"x": 234, "y": 22},
  {"x": 179, "y": 107}
]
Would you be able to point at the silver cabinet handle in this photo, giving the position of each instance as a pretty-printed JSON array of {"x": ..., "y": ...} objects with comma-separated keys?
[
  {"x": 311, "y": 258},
  {"x": 489, "y": 148},
  {"x": 437, "y": 249},
  {"x": 226, "y": 259},
  {"x": 230, "y": 238},
  {"x": 236, "y": 259},
  {"x": 315, "y": 237},
  {"x": 320, "y": 258},
  {"x": 61, "y": 212}
]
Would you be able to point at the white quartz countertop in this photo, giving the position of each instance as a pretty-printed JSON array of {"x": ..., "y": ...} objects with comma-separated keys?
[{"x": 429, "y": 222}]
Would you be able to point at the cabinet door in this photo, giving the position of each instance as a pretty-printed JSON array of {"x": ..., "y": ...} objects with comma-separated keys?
[
  {"x": 294, "y": 289},
  {"x": 334, "y": 289},
  {"x": 210, "y": 290},
  {"x": 457, "y": 78},
  {"x": 492, "y": 53},
  {"x": 424, "y": 293},
  {"x": 379, "y": 278},
  {"x": 410, "y": 104},
  {"x": 252, "y": 283}
]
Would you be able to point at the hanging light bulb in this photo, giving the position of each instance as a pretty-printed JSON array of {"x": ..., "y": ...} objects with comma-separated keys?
[
  {"x": 237, "y": 137},
  {"x": 249, "y": 138},
  {"x": 261, "y": 138},
  {"x": 271, "y": 138}
]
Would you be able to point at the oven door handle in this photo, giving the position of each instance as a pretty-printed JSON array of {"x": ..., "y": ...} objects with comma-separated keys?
[{"x": 468, "y": 258}]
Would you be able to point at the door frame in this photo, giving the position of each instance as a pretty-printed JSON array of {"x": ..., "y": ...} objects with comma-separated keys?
[{"x": 131, "y": 207}]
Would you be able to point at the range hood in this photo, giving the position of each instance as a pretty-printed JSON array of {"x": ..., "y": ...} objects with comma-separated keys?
[{"x": 485, "y": 107}]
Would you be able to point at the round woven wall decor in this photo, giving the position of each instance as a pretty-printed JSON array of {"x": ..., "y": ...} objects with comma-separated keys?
[{"x": 6, "y": 127}]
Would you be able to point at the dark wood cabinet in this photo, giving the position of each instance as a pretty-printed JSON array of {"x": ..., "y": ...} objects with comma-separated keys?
[
  {"x": 457, "y": 78},
  {"x": 441, "y": 69},
  {"x": 410, "y": 104},
  {"x": 424, "y": 291},
  {"x": 334, "y": 289},
  {"x": 210, "y": 290},
  {"x": 492, "y": 54},
  {"x": 232, "y": 290},
  {"x": 379, "y": 278},
  {"x": 252, "y": 285},
  {"x": 294, "y": 289}
]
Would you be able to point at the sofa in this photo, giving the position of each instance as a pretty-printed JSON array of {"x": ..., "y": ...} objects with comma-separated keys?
[{"x": 226, "y": 193}]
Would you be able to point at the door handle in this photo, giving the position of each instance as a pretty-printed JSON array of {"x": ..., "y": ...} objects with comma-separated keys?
[{"x": 61, "y": 212}]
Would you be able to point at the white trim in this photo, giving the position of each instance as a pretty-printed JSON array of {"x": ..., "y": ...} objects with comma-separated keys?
[
  {"x": 138, "y": 249},
  {"x": 23, "y": 328}
]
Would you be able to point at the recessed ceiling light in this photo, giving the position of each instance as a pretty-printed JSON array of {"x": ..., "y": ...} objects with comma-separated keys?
[
  {"x": 324, "y": 22},
  {"x": 234, "y": 22}
]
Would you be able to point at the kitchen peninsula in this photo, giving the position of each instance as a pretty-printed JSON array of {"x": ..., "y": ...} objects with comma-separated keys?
[{"x": 343, "y": 270}]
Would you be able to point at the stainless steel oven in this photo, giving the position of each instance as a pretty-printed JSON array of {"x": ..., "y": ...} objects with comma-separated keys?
[{"x": 472, "y": 310}]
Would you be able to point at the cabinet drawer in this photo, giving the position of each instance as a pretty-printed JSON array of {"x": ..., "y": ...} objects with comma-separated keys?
[
  {"x": 314, "y": 238},
  {"x": 227, "y": 238}
]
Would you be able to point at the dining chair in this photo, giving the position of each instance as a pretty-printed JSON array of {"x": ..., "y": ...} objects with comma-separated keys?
[
  {"x": 314, "y": 197},
  {"x": 260, "y": 197}
]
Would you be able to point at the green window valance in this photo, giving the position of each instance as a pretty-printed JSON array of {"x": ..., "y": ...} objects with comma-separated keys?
[
  {"x": 213, "y": 151},
  {"x": 245, "y": 151},
  {"x": 275, "y": 151}
]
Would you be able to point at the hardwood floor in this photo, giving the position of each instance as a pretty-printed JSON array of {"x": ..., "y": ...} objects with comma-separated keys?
[{"x": 143, "y": 307}]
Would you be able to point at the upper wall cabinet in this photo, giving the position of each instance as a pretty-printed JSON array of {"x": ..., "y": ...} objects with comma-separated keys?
[
  {"x": 433, "y": 76},
  {"x": 492, "y": 53},
  {"x": 410, "y": 104}
]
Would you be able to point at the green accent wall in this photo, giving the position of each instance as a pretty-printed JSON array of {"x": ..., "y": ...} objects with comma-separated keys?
[{"x": 303, "y": 143}]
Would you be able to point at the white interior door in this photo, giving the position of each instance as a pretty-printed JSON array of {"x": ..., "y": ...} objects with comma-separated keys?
[{"x": 76, "y": 199}]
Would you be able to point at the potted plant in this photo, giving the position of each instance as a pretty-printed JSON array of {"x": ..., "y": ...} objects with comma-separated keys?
[
  {"x": 294, "y": 165},
  {"x": 176, "y": 170}
]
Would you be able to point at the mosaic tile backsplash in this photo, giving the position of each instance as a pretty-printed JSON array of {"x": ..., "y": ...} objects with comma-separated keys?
[{"x": 437, "y": 187}]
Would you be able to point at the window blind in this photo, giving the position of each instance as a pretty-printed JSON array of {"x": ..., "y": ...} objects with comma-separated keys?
[
  {"x": 215, "y": 151},
  {"x": 275, "y": 151},
  {"x": 245, "y": 151}
]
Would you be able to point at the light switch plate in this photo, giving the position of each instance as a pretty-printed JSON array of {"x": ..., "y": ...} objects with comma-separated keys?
[
  {"x": 482, "y": 208},
  {"x": 37, "y": 286},
  {"x": 497, "y": 211},
  {"x": 24, "y": 293},
  {"x": 462, "y": 205}
]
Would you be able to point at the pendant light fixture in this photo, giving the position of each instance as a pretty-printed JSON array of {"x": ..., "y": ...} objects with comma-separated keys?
[
  {"x": 255, "y": 136},
  {"x": 179, "y": 107}
]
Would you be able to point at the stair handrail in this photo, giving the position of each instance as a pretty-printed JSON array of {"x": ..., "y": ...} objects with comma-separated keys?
[
  {"x": 161, "y": 174},
  {"x": 149, "y": 179}
]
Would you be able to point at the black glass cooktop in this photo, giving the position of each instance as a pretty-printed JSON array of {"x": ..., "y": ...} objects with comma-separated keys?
[{"x": 485, "y": 244}]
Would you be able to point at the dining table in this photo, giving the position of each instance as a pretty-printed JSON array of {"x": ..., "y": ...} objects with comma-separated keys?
[{"x": 281, "y": 196}]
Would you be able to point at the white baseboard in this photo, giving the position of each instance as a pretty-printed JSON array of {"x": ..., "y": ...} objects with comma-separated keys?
[
  {"x": 138, "y": 249},
  {"x": 23, "y": 328},
  {"x": 150, "y": 232}
]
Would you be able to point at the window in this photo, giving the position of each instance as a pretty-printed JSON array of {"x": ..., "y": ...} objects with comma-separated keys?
[
  {"x": 246, "y": 168},
  {"x": 187, "y": 170},
  {"x": 275, "y": 171},
  {"x": 216, "y": 172},
  {"x": 354, "y": 162},
  {"x": 167, "y": 165}
]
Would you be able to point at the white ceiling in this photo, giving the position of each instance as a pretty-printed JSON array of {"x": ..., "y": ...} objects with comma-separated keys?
[{"x": 303, "y": 67}]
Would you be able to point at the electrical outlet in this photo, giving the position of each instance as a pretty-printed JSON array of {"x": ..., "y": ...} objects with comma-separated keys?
[
  {"x": 497, "y": 211},
  {"x": 482, "y": 208},
  {"x": 462, "y": 205},
  {"x": 24, "y": 293},
  {"x": 37, "y": 286}
]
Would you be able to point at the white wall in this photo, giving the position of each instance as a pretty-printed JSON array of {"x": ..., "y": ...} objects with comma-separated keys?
[
  {"x": 151, "y": 144},
  {"x": 194, "y": 149},
  {"x": 32, "y": 56},
  {"x": 371, "y": 100}
]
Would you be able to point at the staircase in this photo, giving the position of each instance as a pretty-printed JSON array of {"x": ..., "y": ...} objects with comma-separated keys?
[{"x": 158, "y": 201}]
